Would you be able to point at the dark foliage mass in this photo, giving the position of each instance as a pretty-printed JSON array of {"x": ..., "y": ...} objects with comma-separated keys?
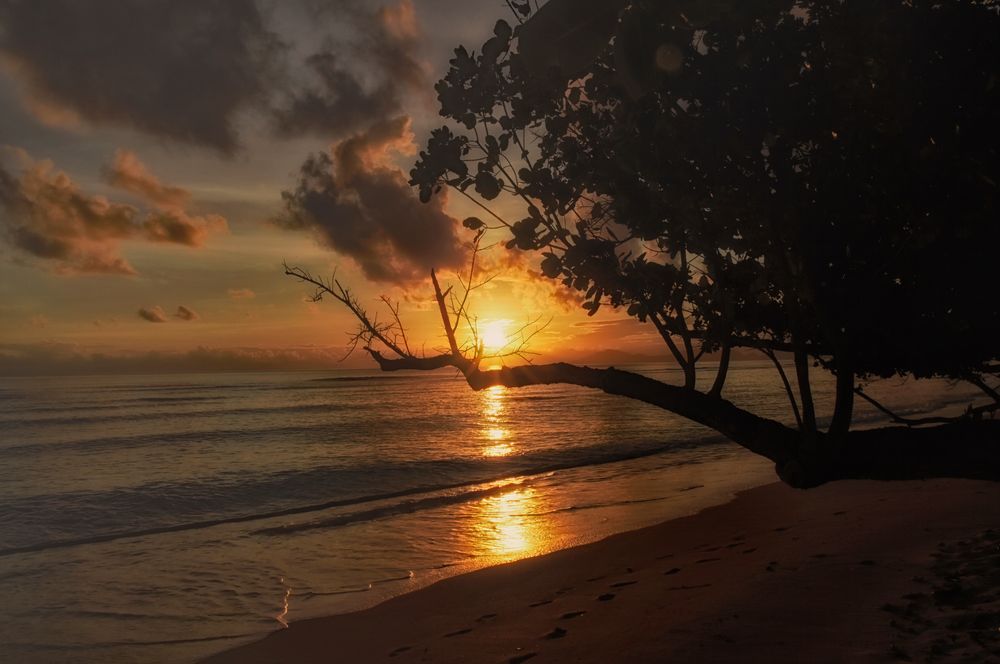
[
  {"x": 792, "y": 176},
  {"x": 820, "y": 175}
]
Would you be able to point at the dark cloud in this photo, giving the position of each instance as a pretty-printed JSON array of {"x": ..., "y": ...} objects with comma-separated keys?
[
  {"x": 337, "y": 101},
  {"x": 153, "y": 315},
  {"x": 46, "y": 215},
  {"x": 186, "y": 314},
  {"x": 360, "y": 205},
  {"x": 189, "y": 71},
  {"x": 178, "y": 70}
]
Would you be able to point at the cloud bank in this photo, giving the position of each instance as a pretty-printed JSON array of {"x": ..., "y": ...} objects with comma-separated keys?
[
  {"x": 188, "y": 72},
  {"x": 68, "y": 359},
  {"x": 175, "y": 70},
  {"x": 48, "y": 217}
]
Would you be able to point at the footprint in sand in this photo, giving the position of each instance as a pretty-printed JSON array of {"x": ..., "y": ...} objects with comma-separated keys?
[
  {"x": 750, "y": 550},
  {"x": 707, "y": 560},
  {"x": 458, "y": 632},
  {"x": 541, "y": 602},
  {"x": 572, "y": 614},
  {"x": 702, "y": 585},
  {"x": 485, "y": 617},
  {"x": 606, "y": 597},
  {"x": 400, "y": 650},
  {"x": 556, "y": 633},
  {"x": 781, "y": 529},
  {"x": 517, "y": 659},
  {"x": 622, "y": 584},
  {"x": 672, "y": 570}
]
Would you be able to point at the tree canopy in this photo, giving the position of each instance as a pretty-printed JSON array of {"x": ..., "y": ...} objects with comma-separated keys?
[{"x": 792, "y": 176}]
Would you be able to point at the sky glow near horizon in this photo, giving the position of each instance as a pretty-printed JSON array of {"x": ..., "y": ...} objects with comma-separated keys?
[{"x": 139, "y": 192}]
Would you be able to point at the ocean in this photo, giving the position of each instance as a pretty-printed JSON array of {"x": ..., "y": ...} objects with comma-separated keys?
[{"x": 163, "y": 518}]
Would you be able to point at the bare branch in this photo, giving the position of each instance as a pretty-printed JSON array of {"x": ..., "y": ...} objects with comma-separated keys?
[{"x": 371, "y": 330}]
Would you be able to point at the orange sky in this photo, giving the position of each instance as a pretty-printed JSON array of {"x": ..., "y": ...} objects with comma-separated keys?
[{"x": 126, "y": 230}]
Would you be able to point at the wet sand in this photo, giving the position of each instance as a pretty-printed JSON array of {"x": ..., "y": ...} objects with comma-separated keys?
[{"x": 848, "y": 572}]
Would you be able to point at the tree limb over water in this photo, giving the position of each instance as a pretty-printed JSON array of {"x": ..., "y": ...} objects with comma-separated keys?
[{"x": 791, "y": 176}]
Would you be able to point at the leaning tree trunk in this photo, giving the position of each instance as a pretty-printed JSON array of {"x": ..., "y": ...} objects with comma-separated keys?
[{"x": 962, "y": 450}]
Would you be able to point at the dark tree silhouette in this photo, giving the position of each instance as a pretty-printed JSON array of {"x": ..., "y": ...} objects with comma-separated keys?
[{"x": 799, "y": 177}]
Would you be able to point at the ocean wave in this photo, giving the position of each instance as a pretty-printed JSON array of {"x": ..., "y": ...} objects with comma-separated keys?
[{"x": 150, "y": 503}]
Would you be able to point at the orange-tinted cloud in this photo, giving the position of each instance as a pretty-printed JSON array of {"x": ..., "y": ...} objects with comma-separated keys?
[
  {"x": 153, "y": 315},
  {"x": 186, "y": 314},
  {"x": 127, "y": 173},
  {"x": 46, "y": 215},
  {"x": 360, "y": 205}
]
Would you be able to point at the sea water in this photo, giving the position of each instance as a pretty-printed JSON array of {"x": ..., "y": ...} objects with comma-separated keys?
[{"x": 162, "y": 518}]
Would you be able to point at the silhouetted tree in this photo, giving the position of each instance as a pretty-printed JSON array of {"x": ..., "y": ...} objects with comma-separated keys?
[{"x": 807, "y": 177}]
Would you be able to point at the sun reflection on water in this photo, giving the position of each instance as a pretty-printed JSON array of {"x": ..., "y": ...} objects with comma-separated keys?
[
  {"x": 495, "y": 434},
  {"x": 505, "y": 527}
]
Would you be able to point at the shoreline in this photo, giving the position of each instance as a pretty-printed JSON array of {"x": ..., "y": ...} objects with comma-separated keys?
[{"x": 773, "y": 575}]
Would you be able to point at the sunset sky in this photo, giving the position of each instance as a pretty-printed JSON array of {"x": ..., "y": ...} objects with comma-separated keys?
[{"x": 144, "y": 152}]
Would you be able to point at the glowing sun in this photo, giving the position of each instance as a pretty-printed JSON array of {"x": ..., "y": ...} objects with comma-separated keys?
[{"x": 494, "y": 335}]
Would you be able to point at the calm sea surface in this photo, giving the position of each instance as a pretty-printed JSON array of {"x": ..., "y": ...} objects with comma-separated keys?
[{"x": 162, "y": 518}]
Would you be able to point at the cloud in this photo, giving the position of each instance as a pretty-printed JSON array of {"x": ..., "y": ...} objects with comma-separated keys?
[
  {"x": 175, "y": 70},
  {"x": 191, "y": 72},
  {"x": 68, "y": 359},
  {"x": 177, "y": 227},
  {"x": 337, "y": 100},
  {"x": 46, "y": 215},
  {"x": 360, "y": 205},
  {"x": 170, "y": 222},
  {"x": 154, "y": 315},
  {"x": 127, "y": 173},
  {"x": 241, "y": 294},
  {"x": 186, "y": 314}
]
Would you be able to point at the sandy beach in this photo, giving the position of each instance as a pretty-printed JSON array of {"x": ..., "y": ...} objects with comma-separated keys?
[{"x": 851, "y": 571}]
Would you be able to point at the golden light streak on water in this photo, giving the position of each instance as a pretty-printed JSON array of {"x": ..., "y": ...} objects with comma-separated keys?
[
  {"x": 504, "y": 526},
  {"x": 494, "y": 432}
]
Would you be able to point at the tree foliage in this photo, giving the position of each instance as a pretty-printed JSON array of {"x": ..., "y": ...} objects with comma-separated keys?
[
  {"x": 802, "y": 174},
  {"x": 818, "y": 178}
]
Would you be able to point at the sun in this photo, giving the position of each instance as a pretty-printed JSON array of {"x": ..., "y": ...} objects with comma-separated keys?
[{"x": 494, "y": 335}]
